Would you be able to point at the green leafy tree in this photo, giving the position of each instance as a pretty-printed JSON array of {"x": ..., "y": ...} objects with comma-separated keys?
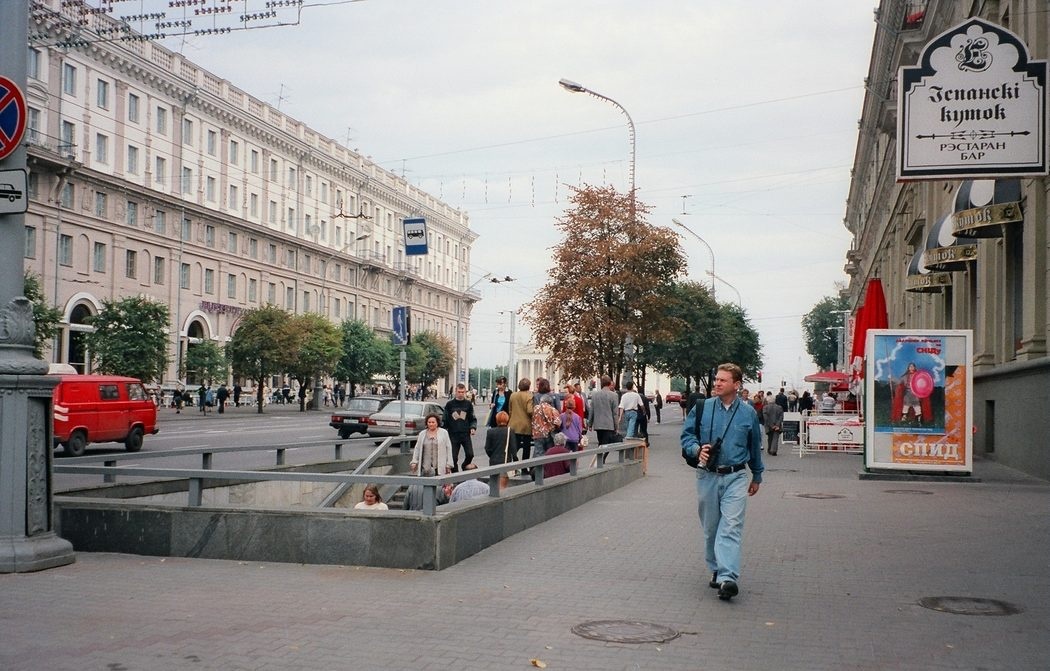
[
  {"x": 206, "y": 361},
  {"x": 608, "y": 282},
  {"x": 319, "y": 348},
  {"x": 820, "y": 330},
  {"x": 364, "y": 354},
  {"x": 46, "y": 317},
  {"x": 696, "y": 344},
  {"x": 706, "y": 334},
  {"x": 429, "y": 358},
  {"x": 130, "y": 338},
  {"x": 263, "y": 345},
  {"x": 319, "y": 345},
  {"x": 740, "y": 340}
]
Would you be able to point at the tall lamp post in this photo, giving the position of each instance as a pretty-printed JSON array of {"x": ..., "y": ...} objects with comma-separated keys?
[
  {"x": 573, "y": 87},
  {"x": 459, "y": 324},
  {"x": 709, "y": 251},
  {"x": 739, "y": 298}
]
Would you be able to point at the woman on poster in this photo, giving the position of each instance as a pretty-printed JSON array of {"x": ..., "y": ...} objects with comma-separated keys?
[{"x": 906, "y": 399}]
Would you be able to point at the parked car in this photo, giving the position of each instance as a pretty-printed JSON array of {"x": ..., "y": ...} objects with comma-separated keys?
[
  {"x": 673, "y": 397},
  {"x": 387, "y": 422},
  {"x": 100, "y": 409},
  {"x": 352, "y": 419}
]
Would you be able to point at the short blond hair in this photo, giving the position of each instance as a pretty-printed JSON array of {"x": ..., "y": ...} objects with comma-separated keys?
[{"x": 734, "y": 370}]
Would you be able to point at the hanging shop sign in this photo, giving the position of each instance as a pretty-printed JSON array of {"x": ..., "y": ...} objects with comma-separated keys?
[
  {"x": 920, "y": 279},
  {"x": 975, "y": 105},
  {"x": 946, "y": 252},
  {"x": 983, "y": 206},
  {"x": 919, "y": 400}
]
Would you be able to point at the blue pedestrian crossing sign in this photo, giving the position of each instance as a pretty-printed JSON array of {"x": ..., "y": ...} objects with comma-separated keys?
[
  {"x": 415, "y": 236},
  {"x": 402, "y": 317}
]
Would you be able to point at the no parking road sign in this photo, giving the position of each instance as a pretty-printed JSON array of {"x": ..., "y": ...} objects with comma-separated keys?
[{"x": 12, "y": 116}]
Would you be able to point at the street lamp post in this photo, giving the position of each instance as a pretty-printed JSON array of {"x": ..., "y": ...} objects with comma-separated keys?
[
  {"x": 459, "y": 324},
  {"x": 573, "y": 87},
  {"x": 739, "y": 298},
  {"x": 709, "y": 251}
]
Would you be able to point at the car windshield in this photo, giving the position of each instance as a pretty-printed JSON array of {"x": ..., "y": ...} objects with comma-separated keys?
[
  {"x": 368, "y": 404},
  {"x": 412, "y": 408}
]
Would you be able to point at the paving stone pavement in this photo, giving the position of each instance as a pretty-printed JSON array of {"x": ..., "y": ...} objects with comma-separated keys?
[{"x": 826, "y": 583}]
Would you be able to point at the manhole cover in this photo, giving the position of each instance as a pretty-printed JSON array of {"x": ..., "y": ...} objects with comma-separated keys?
[
  {"x": 965, "y": 605},
  {"x": 625, "y": 631},
  {"x": 922, "y": 492},
  {"x": 820, "y": 496}
]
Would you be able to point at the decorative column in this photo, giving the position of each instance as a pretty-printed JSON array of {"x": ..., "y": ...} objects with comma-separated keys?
[{"x": 27, "y": 538}]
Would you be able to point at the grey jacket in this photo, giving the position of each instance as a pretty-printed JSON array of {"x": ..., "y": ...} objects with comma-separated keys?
[
  {"x": 772, "y": 415},
  {"x": 603, "y": 405}
]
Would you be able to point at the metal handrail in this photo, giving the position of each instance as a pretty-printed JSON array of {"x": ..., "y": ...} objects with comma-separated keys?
[
  {"x": 207, "y": 452},
  {"x": 343, "y": 488},
  {"x": 197, "y": 476}
]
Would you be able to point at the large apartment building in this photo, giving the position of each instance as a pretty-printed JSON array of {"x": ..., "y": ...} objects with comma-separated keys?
[
  {"x": 994, "y": 280},
  {"x": 152, "y": 176}
]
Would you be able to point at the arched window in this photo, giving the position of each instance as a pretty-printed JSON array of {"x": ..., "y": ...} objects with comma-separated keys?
[{"x": 77, "y": 354}]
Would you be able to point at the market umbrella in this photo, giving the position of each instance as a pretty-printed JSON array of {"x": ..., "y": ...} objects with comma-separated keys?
[{"x": 872, "y": 315}]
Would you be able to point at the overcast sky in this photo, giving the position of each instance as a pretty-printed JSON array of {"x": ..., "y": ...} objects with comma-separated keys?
[{"x": 748, "y": 108}]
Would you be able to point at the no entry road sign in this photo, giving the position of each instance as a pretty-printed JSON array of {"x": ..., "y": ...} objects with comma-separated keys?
[{"x": 12, "y": 116}]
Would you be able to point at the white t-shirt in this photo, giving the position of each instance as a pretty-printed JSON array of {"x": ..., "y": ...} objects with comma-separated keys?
[
  {"x": 631, "y": 400},
  {"x": 378, "y": 505}
]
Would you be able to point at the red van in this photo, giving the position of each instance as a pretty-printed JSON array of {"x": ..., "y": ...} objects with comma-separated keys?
[{"x": 100, "y": 409}]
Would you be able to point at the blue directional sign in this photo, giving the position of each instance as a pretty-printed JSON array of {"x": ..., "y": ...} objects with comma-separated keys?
[
  {"x": 402, "y": 325},
  {"x": 415, "y": 236}
]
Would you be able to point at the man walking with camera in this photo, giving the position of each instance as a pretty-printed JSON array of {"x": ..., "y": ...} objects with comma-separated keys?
[{"x": 725, "y": 434}]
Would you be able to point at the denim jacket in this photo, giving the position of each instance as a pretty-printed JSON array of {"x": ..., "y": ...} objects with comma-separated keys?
[{"x": 742, "y": 442}]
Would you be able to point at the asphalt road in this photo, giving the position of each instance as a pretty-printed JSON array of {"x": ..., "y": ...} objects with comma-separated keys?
[{"x": 278, "y": 426}]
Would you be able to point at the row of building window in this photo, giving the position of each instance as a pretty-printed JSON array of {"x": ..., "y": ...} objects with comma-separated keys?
[{"x": 211, "y": 139}]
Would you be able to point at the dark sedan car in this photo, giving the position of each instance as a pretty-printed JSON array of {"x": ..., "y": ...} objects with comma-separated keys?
[{"x": 352, "y": 419}]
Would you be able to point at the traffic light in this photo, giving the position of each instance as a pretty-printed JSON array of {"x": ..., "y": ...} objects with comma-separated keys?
[{"x": 760, "y": 377}]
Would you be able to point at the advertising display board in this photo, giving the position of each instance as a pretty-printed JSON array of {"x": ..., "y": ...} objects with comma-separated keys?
[
  {"x": 791, "y": 426},
  {"x": 919, "y": 400}
]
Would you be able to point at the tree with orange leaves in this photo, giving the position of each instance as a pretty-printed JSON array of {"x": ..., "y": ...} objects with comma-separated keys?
[{"x": 609, "y": 280}]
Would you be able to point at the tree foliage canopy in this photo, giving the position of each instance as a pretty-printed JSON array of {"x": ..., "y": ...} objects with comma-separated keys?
[
  {"x": 206, "y": 362},
  {"x": 608, "y": 281},
  {"x": 364, "y": 354},
  {"x": 820, "y": 330},
  {"x": 319, "y": 344},
  {"x": 46, "y": 317},
  {"x": 430, "y": 356},
  {"x": 263, "y": 345},
  {"x": 130, "y": 338},
  {"x": 704, "y": 335}
]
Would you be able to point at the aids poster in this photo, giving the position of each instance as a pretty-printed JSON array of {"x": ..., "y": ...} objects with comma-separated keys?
[{"x": 919, "y": 400}]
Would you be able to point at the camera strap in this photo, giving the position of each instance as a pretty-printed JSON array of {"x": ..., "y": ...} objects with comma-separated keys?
[{"x": 711, "y": 426}]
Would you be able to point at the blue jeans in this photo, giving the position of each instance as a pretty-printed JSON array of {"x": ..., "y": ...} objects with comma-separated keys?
[
  {"x": 632, "y": 422},
  {"x": 721, "y": 502}
]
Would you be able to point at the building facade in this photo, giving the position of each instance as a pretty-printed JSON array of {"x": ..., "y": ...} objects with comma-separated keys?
[
  {"x": 994, "y": 279},
  {"x": 152, "y": 176}
]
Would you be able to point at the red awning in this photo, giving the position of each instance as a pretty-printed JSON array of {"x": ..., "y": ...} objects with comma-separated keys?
[
  {"x": 872, "y": 315},
  {"x": 828, "y": 376}
]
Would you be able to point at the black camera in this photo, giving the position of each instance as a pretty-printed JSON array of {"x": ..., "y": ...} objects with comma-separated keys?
[{"x": 713, "y": 454}]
